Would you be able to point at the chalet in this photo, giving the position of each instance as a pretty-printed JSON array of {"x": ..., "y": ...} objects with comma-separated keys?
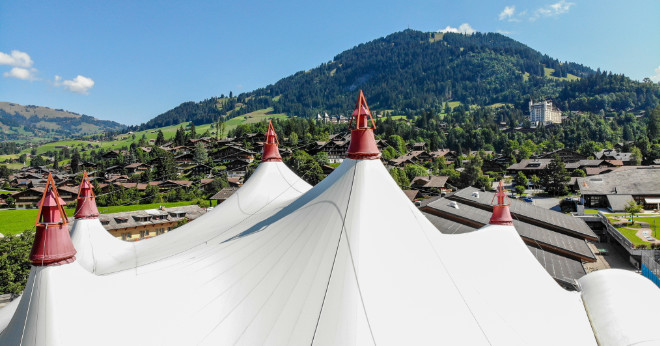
[
  {"x": 419, "y": 146},
  {"x": 430, "y": 185},
  {"x": 174, "y": 184},
  {"x": 200, "y": 169},
  {"x": 137, "y": 168},
  {"x": 113, "y": 154},
  {"x": 231, "y": 152},
  {"x": 335, "y": 148},
  {"x": 114, "y": 170},
  {"x": 566, "y": 155},
  {"x": 183, "y": 159},
  {"x": 612, "y": 154},
  {"x": 206, "y": 142},
  {"x": 449, "y": 155},
  {"x": 529, "y": 166},
  {"x": 31, "y": 196},
  {"x": 411, "y": 157},
  {"x": 237, "y": 166},
  {"x": 143, "y": 224}
]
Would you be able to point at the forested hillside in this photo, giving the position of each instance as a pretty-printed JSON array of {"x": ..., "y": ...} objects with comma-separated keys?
[{"x": 411, "y": 70}]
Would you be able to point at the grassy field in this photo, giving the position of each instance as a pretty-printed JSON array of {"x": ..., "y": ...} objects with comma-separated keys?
[
  {"x": 550, "y": 71},
  {"x": 17, "y": 221}
]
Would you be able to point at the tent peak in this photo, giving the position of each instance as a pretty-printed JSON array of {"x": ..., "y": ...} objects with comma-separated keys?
[
  {"x": 271, "y": 151},
  {"x": 363, "y": 143},
  {"x": 86, "y": 207},
  {"x": 52, "y": 243},
  {"x": 501, "y": 212}
]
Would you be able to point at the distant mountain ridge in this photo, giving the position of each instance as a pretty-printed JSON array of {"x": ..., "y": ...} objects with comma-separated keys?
[
  {"x": 409, "y": 71},
  {"x": 19, "y": 122}
]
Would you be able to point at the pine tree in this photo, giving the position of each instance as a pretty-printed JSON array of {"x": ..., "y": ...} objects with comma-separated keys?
[{"x": 160, "y": 139}]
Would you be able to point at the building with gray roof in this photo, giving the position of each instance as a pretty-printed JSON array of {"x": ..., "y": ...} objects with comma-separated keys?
[{"x": 614, "y": 189}]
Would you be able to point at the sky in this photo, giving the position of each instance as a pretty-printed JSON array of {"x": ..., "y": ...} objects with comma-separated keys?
[{"x": 129, "y": 61}]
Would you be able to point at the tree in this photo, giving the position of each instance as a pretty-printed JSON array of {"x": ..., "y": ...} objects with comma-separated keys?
[
  {"x": 165, "y": 168},
  {"x": 398, "y": 143},
  {"x": 633, "y": 208},
  {"x": 306, "y": 167},
  {"x": 4, "y": 172},
  {"x": 160, "y": 138},
  {"x": 555, "y": 178},
  {"x": 521, "y": 179},
  {"x": 520, "y": 189},
  {"x": 578, "y": 173},
  {"x": 413, "y": 171},
  {"x": 37, "y": 161},
  {"x": 15, "y": 262},
  {"x": 653, "y": 126},
  {"x": 293, "y": 139},
  {"x": 75, "y": 161},
  {"x": 636, "y": 156},
  {"x": 193, "y": 131},
  {"x": 471, "y": 172},
  {"x": 200, "y": 153},
  {"x": 322, "y": 158},
  {"x": 400, "y": 178},
  {"x": 535, "y": 180},
  {"x": 219, "y": 128}
]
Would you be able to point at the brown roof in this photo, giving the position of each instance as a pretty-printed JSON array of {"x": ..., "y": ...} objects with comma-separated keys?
[
  {"x": 224, "y": 193},
  {"x": 411, "y": 194}
]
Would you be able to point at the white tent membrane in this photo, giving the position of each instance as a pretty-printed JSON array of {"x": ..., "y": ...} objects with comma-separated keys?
[
  {"x": 272, "y": 186},
  {"x": 349, "y": 262}
]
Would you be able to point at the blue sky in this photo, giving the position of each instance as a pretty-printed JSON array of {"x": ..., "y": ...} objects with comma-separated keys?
[{"x": 129, "y": 61}]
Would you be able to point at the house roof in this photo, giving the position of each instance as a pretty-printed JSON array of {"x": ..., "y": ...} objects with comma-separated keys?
[
  {"x": 618, "y": 202},
  {"x": 641, "y": 181},
  {"x": 113, "y": 221},
  {"x": 430, "y": 181},
  {"x": 224, "y": 193}
]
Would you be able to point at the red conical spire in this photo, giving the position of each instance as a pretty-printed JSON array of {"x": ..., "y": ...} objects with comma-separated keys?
[
  {"x": 86, "y": 207},
  {"x": 271, "y": 151},
  {"x": 52, "y": 243},
  {"x": 501, "y": 213},
  {"x": 363, "y": 143}
]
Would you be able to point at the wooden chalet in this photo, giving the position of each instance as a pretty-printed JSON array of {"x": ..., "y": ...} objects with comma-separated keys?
[{"x": 231, "y": 152}]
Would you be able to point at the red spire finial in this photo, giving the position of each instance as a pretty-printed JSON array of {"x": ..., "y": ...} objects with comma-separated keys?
[
  {"x": 86, "y": 207},
  {"x": 271, "y": 151},
  {"x": 363, "y": 143},
  {"x": 52, "y": 243},
  {"x": 501, "y": 213}
]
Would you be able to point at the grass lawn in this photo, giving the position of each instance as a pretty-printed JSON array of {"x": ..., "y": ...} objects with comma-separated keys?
[
  {"x": 17, "y": 221},
  {"x": 591, "y": 211},
  {"x": 630, "y": 234}
]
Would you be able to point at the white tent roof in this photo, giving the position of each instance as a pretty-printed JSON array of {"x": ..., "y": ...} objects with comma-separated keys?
[{"x": 272, "y": 186}]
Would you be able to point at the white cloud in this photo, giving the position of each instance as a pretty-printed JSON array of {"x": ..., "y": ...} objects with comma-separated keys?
[
  {"x": 656, "y": 76},
  {"x": 464, "y": 28},
  {"x": 80, "y": 84},
  {"x": 21, "y": 73},
  {"x": 504, "y": 32},
  {"x": 16, "y": 58},
  {"x": 508, "y": 13},
  {"x": 552, "y": 10}
]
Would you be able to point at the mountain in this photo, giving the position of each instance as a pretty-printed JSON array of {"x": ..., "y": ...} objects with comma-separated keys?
[
  {"x": 409, "y": 71},
  {"x": 18, "y": 122}
]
